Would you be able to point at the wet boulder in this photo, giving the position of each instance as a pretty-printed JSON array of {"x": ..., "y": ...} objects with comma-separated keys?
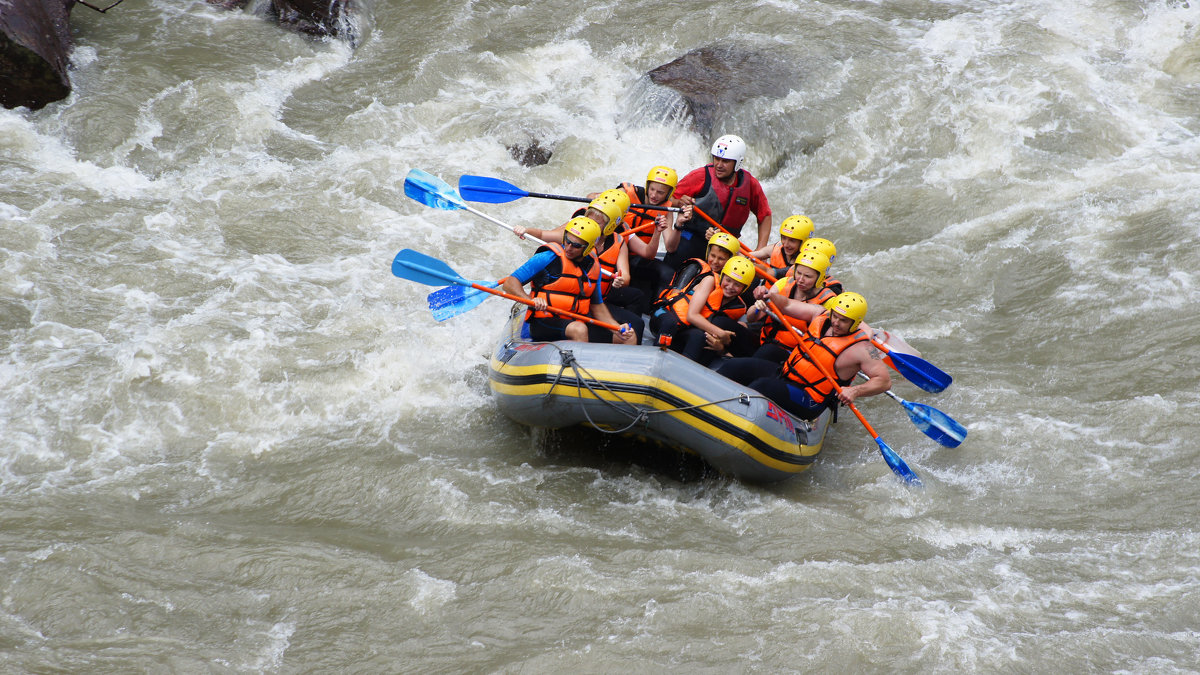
[
  {"x": 713, "y": 81},
  {"x": 320, "y": 18},
  {"x": 530, "y": 154},
  {"x": 35, "y": 45}
]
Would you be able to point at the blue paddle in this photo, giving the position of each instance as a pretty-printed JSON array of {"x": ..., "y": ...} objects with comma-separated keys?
[
  {"x": 433, "y": 191},
  {"x": 496, "y": 191},
  {"x": 449, "y": 302},
  {"x": 932, "y": 422},
  {"x": 423, "y": 269},
  {"x": 916, "y": 369}
]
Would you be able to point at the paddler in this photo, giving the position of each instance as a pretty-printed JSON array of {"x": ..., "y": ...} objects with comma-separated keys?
[
  {"x": 805, "y": 284},
  {"x": 726, "y": 192},
  {"x": 567, "y": 276},
  {"x": 793, "y": 232},
  {"x": 838, "y": 340},
  {"x": 649, "y": 274},
  {"x": 608, "y": 209},
  {"x": 707, "y": 325},
  {"x": 721, "y": 247}
]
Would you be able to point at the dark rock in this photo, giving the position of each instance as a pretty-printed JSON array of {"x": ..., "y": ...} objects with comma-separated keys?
[
  {"x": 714, "y": 79},
  {"x": 532, "y": 154},
  {"x": 35, "y": 44},
  {"x": 320, "y": 18}
]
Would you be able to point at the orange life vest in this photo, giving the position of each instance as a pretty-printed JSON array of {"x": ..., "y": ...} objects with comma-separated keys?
[
  {"x": 825, "y": 349},
  {"x": 716, "y": 303},
  {"x": 573, "y": 288},
  {"x": 637, "y": 217},
  {"x": 771, "y": 329},
  {"x": 690, "y": 273},
  {"x": 608, "y": 260},
  {"x": 778, "y": 259}
]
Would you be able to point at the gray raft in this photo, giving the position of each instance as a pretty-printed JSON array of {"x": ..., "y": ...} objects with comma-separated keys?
[{"x": 654, "y": 394}]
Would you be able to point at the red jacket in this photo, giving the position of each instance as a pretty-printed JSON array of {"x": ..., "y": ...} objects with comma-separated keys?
[{"x": 736, "y": 202}]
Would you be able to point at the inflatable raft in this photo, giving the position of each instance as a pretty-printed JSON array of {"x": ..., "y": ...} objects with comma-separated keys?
[{"x": 652, "y": 394}]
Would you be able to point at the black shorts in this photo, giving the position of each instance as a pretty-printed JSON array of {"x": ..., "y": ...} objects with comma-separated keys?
[{"x": 554, "y": 328}]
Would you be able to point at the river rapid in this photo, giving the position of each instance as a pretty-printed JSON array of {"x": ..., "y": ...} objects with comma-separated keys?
[{"x": 232, "y": 441}]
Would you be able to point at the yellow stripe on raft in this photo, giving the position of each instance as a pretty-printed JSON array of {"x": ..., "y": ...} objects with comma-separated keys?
[{"x": 649, "y": 382}]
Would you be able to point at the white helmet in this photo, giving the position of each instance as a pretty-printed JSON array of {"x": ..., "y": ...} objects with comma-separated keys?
[{"x": 730, "y": 147}]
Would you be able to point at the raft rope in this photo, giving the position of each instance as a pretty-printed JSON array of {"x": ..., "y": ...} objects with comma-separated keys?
[{"x": 637, "y": 415}]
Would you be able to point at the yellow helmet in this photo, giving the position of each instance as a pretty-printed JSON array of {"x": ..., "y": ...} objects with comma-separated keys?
[
  {"x": 796, "y": 227},
  {"x": 725, "y": 241},
  {"x": 852, "y": 306},
  {"x": 822, "y": 246},
  {"x": 665, "y": 175},
  {"x": 586, "y": 229},
  {"x": 613, "y": 204},
  {"x": 815, "y": 260},
  {"x": 740, "y": 269}
]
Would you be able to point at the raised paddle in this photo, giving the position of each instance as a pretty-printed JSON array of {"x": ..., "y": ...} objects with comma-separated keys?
[
  {"x": 496, "y": 191},
  {"x": 418, "y": 267},
  {"x": 894, "y": 462},
  {"x": 433, "y": 191},
  {"x": 932, "y": 422},
  {"x": 914, "y": 368}
]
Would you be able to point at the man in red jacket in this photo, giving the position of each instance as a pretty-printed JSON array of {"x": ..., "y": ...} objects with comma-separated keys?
[{"x": 727, "y": 193}]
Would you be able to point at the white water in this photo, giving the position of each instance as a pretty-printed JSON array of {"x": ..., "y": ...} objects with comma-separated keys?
[{"x": 231, "y": 440}]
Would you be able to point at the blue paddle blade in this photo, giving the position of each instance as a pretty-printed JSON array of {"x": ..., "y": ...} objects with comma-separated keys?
[
  {"x": 431, "y": 191},
  {"x": 936, "y": 424},
  {"x": 451, "y": 301},
  {"x": 897, "y": 465},
  {"x": 423, "y": 269},
  {"x": 488, "y": 190},
  {"x": 920, "y": 372}
]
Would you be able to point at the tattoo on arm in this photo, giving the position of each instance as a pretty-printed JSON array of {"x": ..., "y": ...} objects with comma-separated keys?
[{"x": 874, "y": 353}]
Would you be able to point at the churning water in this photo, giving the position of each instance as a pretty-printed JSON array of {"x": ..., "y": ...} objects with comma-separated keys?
[{"x": 232, "y": 441}]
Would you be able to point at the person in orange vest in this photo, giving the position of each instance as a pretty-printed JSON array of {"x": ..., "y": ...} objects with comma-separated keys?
[
  {"x": 838, "y": 340},
  {"x": 807, "y": 284},
  {"x": 720, "y": 248},
  {"x": 726, "y": 192},
  {"x": 650, "y": 274},
  {"x": 825, "y": 247},
  {"x": 793, "y": 232},
  {"x": 707, "y": 325},
  {"x": 658, "y": 190},
  {"x": 607, "y": 209},
  {"x": 566, "y": 276}
]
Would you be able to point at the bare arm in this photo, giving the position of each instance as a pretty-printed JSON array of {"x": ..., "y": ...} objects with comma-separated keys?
[
  {"x": 794, "y": 307},
  {"x": 865, "y": 357},
  {"x": 699, "y": 297},
  {"x": 623, "y": 276},
  {"x": 763, "y": 253},
  {"x": 764, "y": 232},
  {"x": 625, "y": 336}
]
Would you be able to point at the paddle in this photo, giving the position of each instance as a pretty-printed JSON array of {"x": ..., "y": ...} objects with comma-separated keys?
[
  {"x": 933, "y": 422},
  {"x": 894, "y": 462},
  {"x": 418, "y": 267},
  {"x": 496, "y": 191},
  {"x": 451, "y": 301},
  {"x": 914, "y": 368},
  {"x": 433, "y": 191}
]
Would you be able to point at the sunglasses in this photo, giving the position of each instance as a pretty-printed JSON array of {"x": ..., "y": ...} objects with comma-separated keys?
[{"x": 567, "y": 241}]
